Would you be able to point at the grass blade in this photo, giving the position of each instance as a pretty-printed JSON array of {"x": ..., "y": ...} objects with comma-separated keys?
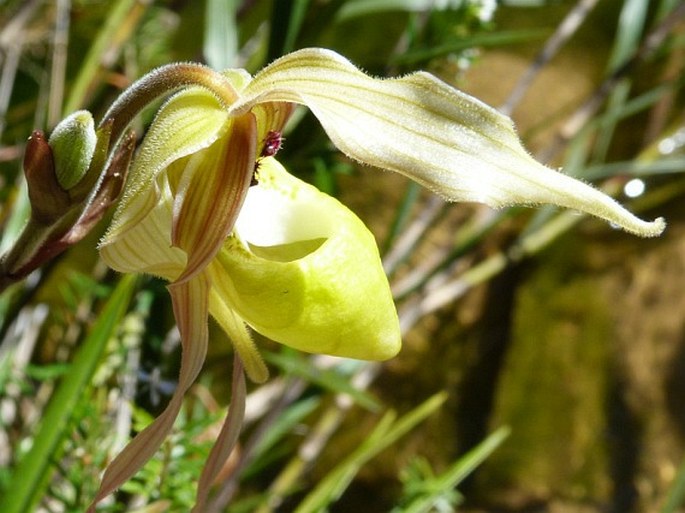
[
  {"x": 630, "y": 27},
  {"x": 221, "y": 33},
  {"x": 121, "y": 22},
  {"x": 286, "y": 21},
  {"x": 386, "y": 433},
  {"x": 24, "y": 487},
  {"x": 330, "y": 379},
  {"x": 444, "y": 483}
]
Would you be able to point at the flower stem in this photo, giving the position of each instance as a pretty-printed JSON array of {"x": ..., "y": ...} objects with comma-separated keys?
[{"x": 159, "y": 82}]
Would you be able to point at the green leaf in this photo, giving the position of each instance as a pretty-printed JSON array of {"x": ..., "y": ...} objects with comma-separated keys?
[
  {"x": 355, "y": 8},
  {"x": 221, "y": 33},
  {"x": 630, "y": 26},
  {"x": 286, "y": 21},
  {"x": 496, "y": 39},
  {"x": 90, "y": 65},
  {"x": 444, "y": 484},
  {"x": 26, "y": 485},
  {"x": 283, "y": 425},
  {"x": 387, "y": 432},
  {"x": 293, "y": 363},
  {"x": 46, "y": 372}
]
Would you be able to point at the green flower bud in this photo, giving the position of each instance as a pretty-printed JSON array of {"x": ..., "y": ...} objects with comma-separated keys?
[{"x": 73, "y": 144}]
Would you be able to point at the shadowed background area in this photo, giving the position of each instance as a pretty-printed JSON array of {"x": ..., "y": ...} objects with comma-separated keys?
[{"x": 564, "y": 331}]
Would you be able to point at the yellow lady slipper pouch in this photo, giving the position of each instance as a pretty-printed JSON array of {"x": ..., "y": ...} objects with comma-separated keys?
[{"x": 303, "y": 270}]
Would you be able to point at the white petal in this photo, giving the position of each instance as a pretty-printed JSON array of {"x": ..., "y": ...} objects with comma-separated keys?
[{"x": 419, "y": 126}]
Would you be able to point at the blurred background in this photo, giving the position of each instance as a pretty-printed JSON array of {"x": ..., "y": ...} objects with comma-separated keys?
[{"x": 543, "y": 367}]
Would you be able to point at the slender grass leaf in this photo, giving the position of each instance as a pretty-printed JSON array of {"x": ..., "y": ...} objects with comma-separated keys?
[
  {"x": 411, "y": 196},
  {"x": 25, "y": 487},
  {"x": 501, "y": 38},
  {"x": 330, "y": 379},
  {"x": 123, "y": 15},
  {"x": 444, "y": 484},
  {"x": 221, "y": 33},
  {"x": 386, "y": 433},
  {"x": 286, "y": 22},
  {"x": 665, "y": 7},
  {"x": 636, "y": 168},
  {"x": 283, "y": 425},
  {"x": 355, "y": 8},
  {"x": 631, "y": 24}
]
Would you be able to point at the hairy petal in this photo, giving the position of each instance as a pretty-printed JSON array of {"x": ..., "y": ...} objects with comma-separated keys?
[
  {"x": 146, "y": 247},
  {"x": 421, "y": 127},
  {"x": 189, "y": 122},
  {"x": 271, "y": 117},
  {"x": 209, "y": 198},
  {"x": 190, "y": 301}
]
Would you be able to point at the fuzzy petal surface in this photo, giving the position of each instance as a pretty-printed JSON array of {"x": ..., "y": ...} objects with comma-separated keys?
[
  {"x": 189, "y": 122},
  {"x": 423, "y": 128},
  {"x": 208, "y": 201}
]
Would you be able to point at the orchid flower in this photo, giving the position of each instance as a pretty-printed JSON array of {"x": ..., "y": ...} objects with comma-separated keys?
[{"x": 279, "y": 256}]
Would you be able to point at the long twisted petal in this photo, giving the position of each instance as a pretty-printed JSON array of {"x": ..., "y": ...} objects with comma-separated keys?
[
  {"x": 190, "y": 301},
  {"x": 419, "y": 126},
  {"x": 207, "y": 204}
]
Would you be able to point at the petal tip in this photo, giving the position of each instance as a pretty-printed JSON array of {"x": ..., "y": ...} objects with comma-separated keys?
[
  {"x": 655, "y": 228},
  {"x": 636, "y": 226}
]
